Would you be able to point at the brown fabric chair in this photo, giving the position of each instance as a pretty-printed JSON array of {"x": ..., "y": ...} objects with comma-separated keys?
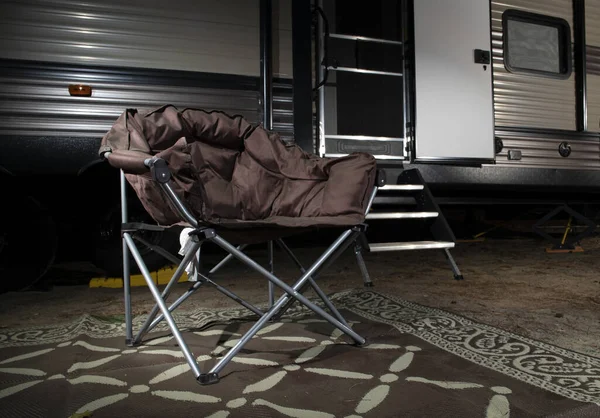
[{"x": 229, "y": 180}]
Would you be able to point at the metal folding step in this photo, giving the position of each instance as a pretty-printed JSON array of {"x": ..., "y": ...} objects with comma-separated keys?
[
  {"x": 413, "y": 245},
  {"x": 364, "y": 38},
  {"x": 353, "y": 72},
  {"x": 401, "y": 187},
  {"x": 402, "y": 215},
  {"x": 364, "y": 71}
]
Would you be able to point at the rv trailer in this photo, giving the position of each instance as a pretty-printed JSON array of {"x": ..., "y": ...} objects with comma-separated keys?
[
  {"x": 494, "y": 97},
  {"x": 490, "y": 101}
]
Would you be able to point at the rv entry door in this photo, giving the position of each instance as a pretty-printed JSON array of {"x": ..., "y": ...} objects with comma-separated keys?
[{"x": 454, "y": 119}]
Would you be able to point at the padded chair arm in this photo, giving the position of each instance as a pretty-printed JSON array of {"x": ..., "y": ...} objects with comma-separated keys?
[{"x": 132, "y": 162}]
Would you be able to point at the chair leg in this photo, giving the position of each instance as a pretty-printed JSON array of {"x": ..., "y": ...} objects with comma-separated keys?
[
  {"x": 191, "y": 290},
  {"x": 311, "y": 282},
  {"x": 272, "y": 270},
  {"x": 201, "y": 281},
  {"x": 358, "y": 249},
  {"x": 225, "y": 260},
  {"x": 167, "y": 291},
  {"x": 127, "y": 295},
  {"x": 338, "y": 251},
  {"x": 126, "y": 266},
  {"x": 163, "y": 307},
  {"x": 290, "y": 292},
  {"x": 159, "y": 250}
]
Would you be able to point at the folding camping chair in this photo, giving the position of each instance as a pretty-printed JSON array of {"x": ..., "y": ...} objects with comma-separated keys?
[{"x": 170, "y": 159}]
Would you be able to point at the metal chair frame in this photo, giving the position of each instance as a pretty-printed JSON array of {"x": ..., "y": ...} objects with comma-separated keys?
[{"x": 199, "y": 235}]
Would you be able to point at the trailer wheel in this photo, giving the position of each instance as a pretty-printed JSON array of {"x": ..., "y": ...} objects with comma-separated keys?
[
  {"x": 108, "y": 251},
  {"x": 28, "y": 243}
]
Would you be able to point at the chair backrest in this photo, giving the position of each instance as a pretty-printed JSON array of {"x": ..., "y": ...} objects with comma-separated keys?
[{"x": 224, "y": 168}]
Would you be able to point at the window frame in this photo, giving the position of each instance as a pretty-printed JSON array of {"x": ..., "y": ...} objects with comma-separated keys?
[{"x": 564, "y": 42}]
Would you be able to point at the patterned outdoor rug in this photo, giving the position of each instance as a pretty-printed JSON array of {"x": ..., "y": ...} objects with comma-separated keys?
[{"x": 421, "y": 362}]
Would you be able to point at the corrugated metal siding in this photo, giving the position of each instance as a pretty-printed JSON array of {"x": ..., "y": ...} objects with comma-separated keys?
[
  {"x": 282, "y": 38},
  {"x": 34, "y": 99},
  {"x": 525, "y": 101},
  {"x": 593, "y": 102},
  {"x": 592, "y": 26},
  {"x": 164, "y": 52},
  {"x": 195, "y": 35},
  {"x": 38, "y": 102},
  {"x": 283, "y": 109},
  {"x": 593, "y": 59},
  {"x": 529, "y": 101},
  {"x": 540, "y": 150},
  {"x": 592, "y": 39}
]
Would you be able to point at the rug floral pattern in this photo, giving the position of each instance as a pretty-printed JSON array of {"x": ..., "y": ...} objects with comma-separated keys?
[{"x": 288, "y": 363}]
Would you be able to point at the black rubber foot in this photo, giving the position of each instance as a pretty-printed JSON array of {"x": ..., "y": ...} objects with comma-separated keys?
[
  {"x": 369, "y": 284},
  {"x": 366, "y": 343},
  {"x": 133, "y": 343},
  {"x": 459, "y": 277},
  {"x": 129, "y": 342},
  {"x": 208, "y": 378}
]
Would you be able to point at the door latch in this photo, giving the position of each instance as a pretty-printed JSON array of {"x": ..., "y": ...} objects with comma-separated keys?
[{"x": 481, "y": 56}]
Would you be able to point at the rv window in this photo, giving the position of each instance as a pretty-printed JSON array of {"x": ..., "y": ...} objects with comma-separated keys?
[{"x": 536, "y": 44}]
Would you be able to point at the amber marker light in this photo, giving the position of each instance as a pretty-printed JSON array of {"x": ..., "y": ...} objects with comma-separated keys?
[{"x": 80, "y": 90}]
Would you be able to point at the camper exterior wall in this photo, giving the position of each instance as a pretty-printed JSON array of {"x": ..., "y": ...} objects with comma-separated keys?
[
  {"x": 135, "y": 54},
  {"x": 592, "y": 38},
  {"x": 523, "y": 100},
  {"x": 188, "y": 35},
  {"x": 593, "y": 84},
  {"x": 124, "y": 50},
  {"x": 540, "y": 150},
  {"x": 46, "y": 108},
  {"x": 61, "y": 134},
  {"x": 535, "y": 114}
]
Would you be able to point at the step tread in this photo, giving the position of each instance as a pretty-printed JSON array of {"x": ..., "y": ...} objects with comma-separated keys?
[
  {"x": 364, "y": 38},
  {"x": 401, "y": 215},
  {"x": 409, "y": 245},
  {"x": 401, "y": 187},
  {"x": 364, "y": 71}
]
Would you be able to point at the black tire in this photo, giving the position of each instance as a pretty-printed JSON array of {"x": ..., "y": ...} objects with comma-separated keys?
[
  {"x": 28, "y": 242},
  {"x": 108, "y": 250}
]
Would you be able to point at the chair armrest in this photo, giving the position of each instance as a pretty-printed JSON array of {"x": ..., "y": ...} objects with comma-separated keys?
[{"x": 132, "y": 162}]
